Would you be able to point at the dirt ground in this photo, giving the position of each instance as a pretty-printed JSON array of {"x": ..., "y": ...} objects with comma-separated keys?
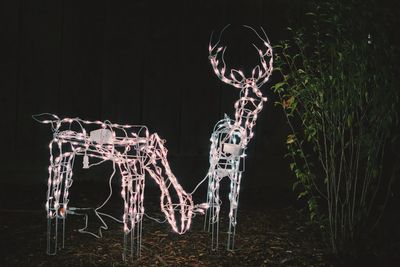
[{"x": 268, "y": 234}]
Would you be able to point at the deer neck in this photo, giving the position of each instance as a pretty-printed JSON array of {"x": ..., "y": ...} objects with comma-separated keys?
[{"x": 246, "y": 110}]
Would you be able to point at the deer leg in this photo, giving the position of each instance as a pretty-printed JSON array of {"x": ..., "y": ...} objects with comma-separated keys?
[
  {"x": 138, "y": 207},
  {"x": 133, "y": 195},
  {"x": 67, "y": 184},
  {"x": 214, "y": 203},
  {"x": 234, "y": 202},
  {"x": 212, "y": 214},
  {"x": 211, "y": 178},
  {"x": 208, "y": 211},
  {"x": 139, "y": 215},
  {"x": 127, "y": 196},
  {"x": 60, "y": 179}
]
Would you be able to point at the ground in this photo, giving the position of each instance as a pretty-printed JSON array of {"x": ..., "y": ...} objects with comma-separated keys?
[{"x": 269, "y": 233}]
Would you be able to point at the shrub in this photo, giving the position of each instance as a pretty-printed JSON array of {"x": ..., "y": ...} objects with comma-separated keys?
[{"x": 340, "y": 98}]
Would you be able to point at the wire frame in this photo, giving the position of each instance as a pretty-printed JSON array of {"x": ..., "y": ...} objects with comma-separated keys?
[
  {"x": 134, "y": 153},
  {"x": 230, "y": 137}
]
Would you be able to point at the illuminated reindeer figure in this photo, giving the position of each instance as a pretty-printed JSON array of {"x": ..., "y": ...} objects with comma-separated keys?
[
  {"x": 134, "y": 151},
  {"x": 230, "y": 137}
]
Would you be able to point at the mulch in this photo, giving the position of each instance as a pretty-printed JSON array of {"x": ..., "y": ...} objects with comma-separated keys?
[
  {"x": 273, "y": 237},
  {"x": 268, "y": 234}
]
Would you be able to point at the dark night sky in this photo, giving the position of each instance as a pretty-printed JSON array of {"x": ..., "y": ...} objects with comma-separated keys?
[{"x": 136, "y": 62}]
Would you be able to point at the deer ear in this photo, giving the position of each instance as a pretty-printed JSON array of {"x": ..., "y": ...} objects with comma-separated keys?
[
  {"x": 237, "y": 76},
  {"x": 45, "y": 117},
  {"x": 256, "y": 73}
]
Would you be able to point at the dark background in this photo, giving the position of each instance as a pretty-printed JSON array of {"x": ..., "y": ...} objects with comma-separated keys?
[
  {"x": 144, "y": 62},
  {"x": 134, "y": 62}
]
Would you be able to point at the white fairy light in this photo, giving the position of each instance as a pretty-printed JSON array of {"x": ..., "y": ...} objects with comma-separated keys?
[
  {"x": 135, "y": 152},
  {"x": 230, "y": 137}
]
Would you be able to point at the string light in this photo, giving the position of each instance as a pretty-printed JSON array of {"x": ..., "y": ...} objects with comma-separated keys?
[
  {"x": 135, "y": 152},
  {"x": 231, "y": 136}
]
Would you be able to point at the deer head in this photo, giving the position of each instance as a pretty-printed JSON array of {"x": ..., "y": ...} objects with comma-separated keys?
[{"x": 260, "y": 73}]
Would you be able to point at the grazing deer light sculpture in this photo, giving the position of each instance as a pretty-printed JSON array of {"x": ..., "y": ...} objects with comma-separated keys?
[
  {"x": 134, "y": 151},
  {"x": 230, "y": 137}
]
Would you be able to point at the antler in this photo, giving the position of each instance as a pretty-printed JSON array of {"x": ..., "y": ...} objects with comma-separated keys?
[{"x": 259, "y": 76}]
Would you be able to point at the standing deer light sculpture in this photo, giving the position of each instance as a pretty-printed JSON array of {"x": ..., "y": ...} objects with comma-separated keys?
[
  {"x": 134, "y": 151},
  {"x": 231, "y": 136}
]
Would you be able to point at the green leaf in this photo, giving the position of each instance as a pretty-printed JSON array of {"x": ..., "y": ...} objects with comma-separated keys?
[
  {"x": 278, "y": 85},
  {"x": 302, "y": 194},
  {"x": 295, "y": 184},
  {"x": 292, "y": 165},
  {"x": 300, "y": 71}
]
